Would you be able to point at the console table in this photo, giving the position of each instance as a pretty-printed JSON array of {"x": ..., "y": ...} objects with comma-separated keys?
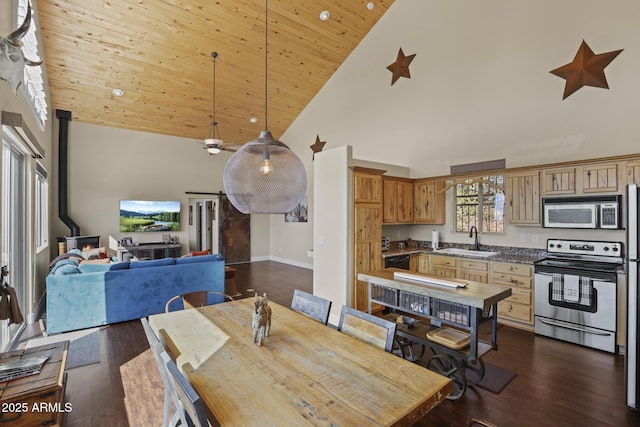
[{"x": 149, "y": 251}]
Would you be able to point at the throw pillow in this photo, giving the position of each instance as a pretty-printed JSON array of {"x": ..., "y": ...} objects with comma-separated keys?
[
  {"x": 95, "y": 261},
  {"x": 198, "y": 253}
]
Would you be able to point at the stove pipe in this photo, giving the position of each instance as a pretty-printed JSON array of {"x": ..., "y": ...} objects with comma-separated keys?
[{"x": 63, "y": 135}]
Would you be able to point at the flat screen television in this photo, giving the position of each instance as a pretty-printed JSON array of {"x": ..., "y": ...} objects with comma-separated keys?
[{"x": 149, "y": 215}]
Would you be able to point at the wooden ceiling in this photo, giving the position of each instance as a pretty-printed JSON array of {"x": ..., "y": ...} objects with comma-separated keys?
[{"x": 159, "y": 53}]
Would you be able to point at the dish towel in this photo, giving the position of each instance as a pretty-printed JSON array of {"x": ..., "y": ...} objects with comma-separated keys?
[{"x": 571, "y": 291}]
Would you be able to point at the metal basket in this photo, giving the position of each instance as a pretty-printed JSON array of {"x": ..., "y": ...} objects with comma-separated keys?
[
  {"x": 384, "y": 295},
  {"x": 414, "y": 302},
  {"x": 451, "y": 312}
]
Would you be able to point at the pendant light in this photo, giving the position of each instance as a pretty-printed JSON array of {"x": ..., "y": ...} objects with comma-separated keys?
[
  {"x": 213, "y": 141},
  {"x": 264, "y": 175}
]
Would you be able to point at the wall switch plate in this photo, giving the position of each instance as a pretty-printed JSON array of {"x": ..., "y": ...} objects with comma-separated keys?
[
  {"x": 523, "y": 238},
  {"x": 535, "y": 238}
]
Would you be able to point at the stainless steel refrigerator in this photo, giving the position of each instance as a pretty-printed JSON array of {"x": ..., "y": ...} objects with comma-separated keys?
[{"x": 632, "y": 344}]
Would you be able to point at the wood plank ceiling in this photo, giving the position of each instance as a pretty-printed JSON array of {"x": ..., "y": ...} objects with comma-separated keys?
[{"x": 159, "y": 53}]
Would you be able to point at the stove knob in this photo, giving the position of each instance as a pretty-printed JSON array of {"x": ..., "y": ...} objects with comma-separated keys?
[
  {"x": 551, "y": 245},
  {"x": 606, "y": 248},
  {"x": 559, "y": 245},
  {"x": 616, "y": 249}
]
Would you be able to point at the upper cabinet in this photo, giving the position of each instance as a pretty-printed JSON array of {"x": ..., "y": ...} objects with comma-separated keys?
[
  {"x": 600, "y": 178},
  {"x": 367, "y": 186},
  {"x": 429, "y": 201},
  {"x": 559, "y": 181},
  {"x": 632, "y": 172},
  {"x": 587, "y": 178},
  {"x": 523, "y": 197},
  {"x": 397, "y": 200}
]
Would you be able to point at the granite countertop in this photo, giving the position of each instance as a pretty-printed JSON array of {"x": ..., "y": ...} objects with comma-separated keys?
[{"x": 507, "y": 254}]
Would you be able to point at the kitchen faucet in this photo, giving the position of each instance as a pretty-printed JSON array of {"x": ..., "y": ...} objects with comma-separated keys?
[{"x": 476, "y": 245}]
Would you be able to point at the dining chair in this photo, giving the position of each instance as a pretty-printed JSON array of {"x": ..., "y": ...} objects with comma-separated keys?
[
  {"x": 311, "y": 305},
  {"x": 169, "y": 394},
  {"x": 195, "y": 299},
  {"x": 192, "y": 412},
  {"x": 367, "y": 327}
]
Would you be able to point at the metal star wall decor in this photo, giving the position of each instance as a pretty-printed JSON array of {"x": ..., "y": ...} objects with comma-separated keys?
[
  {"x": 587, "y": 69},
  {"x": 400, "y": 68},
  {"x": 317, "y": 146}
]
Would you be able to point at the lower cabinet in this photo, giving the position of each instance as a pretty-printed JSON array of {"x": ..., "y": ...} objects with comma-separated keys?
[{"x": 519, "y": 306}]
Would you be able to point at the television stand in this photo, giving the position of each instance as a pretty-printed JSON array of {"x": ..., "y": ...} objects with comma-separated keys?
[{"x": 147, "y": 251}]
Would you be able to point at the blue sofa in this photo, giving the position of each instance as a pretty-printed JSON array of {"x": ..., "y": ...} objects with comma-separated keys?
[{"x": 83, "y": 296}]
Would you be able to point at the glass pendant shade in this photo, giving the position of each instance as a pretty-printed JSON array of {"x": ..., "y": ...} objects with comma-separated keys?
[{"x": 265, "y": 176}]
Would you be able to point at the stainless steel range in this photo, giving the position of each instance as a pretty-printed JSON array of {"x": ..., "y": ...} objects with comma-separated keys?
[{"x": 576, "y": 292}]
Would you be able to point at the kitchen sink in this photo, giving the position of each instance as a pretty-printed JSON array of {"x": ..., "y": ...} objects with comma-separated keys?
[{"x": 466, "y": 252}]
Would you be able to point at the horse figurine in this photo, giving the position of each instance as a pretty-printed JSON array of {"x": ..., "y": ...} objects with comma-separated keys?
[{"x": 261, "y": 323}]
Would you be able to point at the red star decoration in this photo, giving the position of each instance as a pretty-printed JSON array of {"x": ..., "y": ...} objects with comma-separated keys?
[
  {"x": 587, "y": 69},
  {"x": 317, "y": 146},
  {"x": 400, "y": 68}
]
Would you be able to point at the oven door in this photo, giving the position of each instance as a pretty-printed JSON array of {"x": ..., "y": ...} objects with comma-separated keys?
[
  {"x": 570, "y": 215},
  {"x": 593, "y": 325}
]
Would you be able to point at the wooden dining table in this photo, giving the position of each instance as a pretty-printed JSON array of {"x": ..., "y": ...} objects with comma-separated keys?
[{"x": 305, "y": 373}]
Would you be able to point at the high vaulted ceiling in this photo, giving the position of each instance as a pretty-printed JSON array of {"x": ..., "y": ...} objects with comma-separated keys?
[{"x": 159, "y": 53}]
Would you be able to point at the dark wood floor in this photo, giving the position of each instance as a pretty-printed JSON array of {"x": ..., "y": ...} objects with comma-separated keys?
[{"x": 557, "y": 384}]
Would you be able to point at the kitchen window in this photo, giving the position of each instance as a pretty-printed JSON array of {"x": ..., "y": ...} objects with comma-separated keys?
[{"x": 480, "y": 202}]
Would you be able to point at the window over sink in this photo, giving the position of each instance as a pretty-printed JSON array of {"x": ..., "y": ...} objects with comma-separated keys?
[{"x": 480, "y": 202}]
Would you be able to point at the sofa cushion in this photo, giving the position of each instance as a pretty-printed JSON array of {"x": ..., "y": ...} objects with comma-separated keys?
[
  {"x": 201, "y": 258},
  {"x": 66, "y": 266},
  {"x": 93, "y": 267},
  {"x": 153, "y": 263},
  {"x": 119, "y": 266}
]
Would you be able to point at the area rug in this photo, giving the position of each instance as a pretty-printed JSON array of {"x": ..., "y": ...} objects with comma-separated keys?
[
  {"x": 495, "y": 378},
  {"x": 84, "y": 346}
]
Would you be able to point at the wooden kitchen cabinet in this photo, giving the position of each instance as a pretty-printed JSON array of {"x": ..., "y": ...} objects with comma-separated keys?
[
  {"x": 523, "y": 197},
  {"x": 443, "y": 266},
  {"x": 632, "y": 173},
  {"x": 429, "y": 202},
  {"x": 559, "y": 181},
  {"x": 367, "y": 185},
  {"x": 469, "y": 269},
  {"x": 389, "y": 200},
  {"x": 423, "y": 263},
  {"x": 414, "y": 262},
  {"x": 600, "y": 178},
  {"x": 397, "y": 200},
  {"x": 519, "y": 306},
  {"x": 367, "y": 230}
]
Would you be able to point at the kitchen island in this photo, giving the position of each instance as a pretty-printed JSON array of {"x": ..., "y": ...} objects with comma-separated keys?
[{"x": 461, "y": 304}]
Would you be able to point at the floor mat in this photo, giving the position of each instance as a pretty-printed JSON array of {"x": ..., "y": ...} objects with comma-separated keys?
[
  {"x": 495, "y": 378},
  {"x": 84, "y": 346}
]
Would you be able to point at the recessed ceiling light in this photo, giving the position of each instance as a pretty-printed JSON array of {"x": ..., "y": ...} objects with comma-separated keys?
[
  {"x": 324, "y": 15},
  {"x": 117, "y": 92},
  {"x": 370, "y": 5},
  {"x": 253, "y": 120}
]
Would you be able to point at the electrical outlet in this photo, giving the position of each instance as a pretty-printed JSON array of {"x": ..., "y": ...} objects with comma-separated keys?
[
  {"x": 523, "y": 238},
  {"x": 535, "y": 238}
]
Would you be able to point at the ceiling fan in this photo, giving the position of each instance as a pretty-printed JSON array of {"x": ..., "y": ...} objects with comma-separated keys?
[{"x": 214, "y": 146}]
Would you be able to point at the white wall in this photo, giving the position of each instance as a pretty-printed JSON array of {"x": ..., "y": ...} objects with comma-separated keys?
[{"x": 332, "y": 225}]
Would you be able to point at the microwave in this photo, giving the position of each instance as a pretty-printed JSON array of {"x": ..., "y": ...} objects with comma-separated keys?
[{"x": 582, "y": 212}]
